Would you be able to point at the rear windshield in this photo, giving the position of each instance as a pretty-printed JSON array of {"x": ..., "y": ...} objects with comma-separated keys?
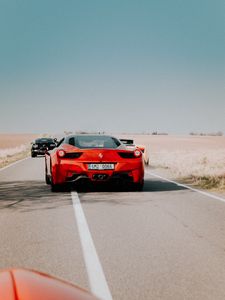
[
  {"x": 44, "y": 140},
  {"x": 95, "y": 141}
]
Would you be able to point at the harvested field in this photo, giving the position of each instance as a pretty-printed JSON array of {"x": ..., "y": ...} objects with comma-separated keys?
[
  {"x": 199, "y": 160},
  {"x": 14, "y": 147},
  {"x": 15, "y": 140}
]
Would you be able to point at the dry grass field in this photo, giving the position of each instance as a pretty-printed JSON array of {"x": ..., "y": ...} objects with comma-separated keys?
[
  {"x": 14, "y": 140},
  {"x": 199, "y": 160},
  {"x": 14, "y": 147}
]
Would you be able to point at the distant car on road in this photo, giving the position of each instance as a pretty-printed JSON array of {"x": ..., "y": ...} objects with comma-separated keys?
[
  {"x": 41, "y": 145},
  {"x": 93, "y": 158},
  {"x": 129, "y": 143}
]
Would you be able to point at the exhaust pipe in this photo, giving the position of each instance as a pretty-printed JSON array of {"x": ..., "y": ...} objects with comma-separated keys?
[
  {"x": 100, "y": 176},
  {"x": 78, "y": 178}
]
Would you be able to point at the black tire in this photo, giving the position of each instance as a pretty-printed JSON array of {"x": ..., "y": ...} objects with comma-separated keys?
[
  {"x": 33, "y": 154},
  {"x": 54, "y": 187},
  {"x": 47, "y": 179}
]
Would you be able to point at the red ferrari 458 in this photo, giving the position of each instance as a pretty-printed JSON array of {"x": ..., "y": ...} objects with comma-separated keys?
[{"x": 95, "y": 159}]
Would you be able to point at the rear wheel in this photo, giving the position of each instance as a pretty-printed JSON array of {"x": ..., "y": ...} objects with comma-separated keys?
[
  {"x": 47, "y": 177},
  {"x": 33, "y": 154}
]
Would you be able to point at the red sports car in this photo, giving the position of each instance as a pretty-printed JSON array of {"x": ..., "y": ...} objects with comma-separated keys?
[{"x": 95, "y": 159}]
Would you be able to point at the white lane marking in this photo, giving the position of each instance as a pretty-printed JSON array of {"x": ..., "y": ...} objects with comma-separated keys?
[
  {"x": 97, "y": 280},
  {"x": 188, "y": 187},
  {"x": 14, "y": 163}
]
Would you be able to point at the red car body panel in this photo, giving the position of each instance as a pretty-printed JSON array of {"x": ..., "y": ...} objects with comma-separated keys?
[{"x": 21, "y": 284}]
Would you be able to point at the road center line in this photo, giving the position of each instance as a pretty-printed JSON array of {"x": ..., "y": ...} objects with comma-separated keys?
[
  {"x": 97, "y": 280},
  {"x": 187, "y": 187}
]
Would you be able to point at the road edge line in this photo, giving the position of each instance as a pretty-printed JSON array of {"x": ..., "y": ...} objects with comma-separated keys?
[
  {"x": 97, "y": 280},
  {"x": 14, "y": 163},
  {"x": 187, "y": 187}
]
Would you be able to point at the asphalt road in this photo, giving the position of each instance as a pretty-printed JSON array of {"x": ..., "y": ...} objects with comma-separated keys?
[{"x": 166, "y": 242}]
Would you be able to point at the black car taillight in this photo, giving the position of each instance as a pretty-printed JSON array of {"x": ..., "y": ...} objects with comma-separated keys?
[
  {"x": 127, "y": 154},
  {"x": 73, "y": 155}
]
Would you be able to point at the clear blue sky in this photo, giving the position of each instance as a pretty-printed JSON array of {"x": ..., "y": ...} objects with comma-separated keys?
[{"x": 112, "y": 65}]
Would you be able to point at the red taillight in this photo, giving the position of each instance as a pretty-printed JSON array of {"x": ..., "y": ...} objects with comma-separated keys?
[
  {"x": 61, "y": 153},
  {"x": 137, "y": 153}
]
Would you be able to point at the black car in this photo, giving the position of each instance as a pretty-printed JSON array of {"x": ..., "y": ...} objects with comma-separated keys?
[{"x": 41, "y": 145}]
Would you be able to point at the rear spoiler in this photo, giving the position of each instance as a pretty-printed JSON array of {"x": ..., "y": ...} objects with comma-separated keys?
[{"x": 127, "y": 141}]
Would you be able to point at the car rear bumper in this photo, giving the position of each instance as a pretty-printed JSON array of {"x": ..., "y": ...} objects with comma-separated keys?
[
  {"x": 123, "y": 177},
  {"x": 41, "y": 151},
  {"x": 78, "y": 173},
  {"x": 38, "y": 151}
]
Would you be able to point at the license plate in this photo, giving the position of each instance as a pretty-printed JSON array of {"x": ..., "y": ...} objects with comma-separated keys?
[{"x": 100, "y": 166}]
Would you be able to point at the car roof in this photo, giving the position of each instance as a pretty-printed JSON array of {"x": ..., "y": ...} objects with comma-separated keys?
[
  {"x": 44, "y": 138},
  {"x": 90, "y": 134}
]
